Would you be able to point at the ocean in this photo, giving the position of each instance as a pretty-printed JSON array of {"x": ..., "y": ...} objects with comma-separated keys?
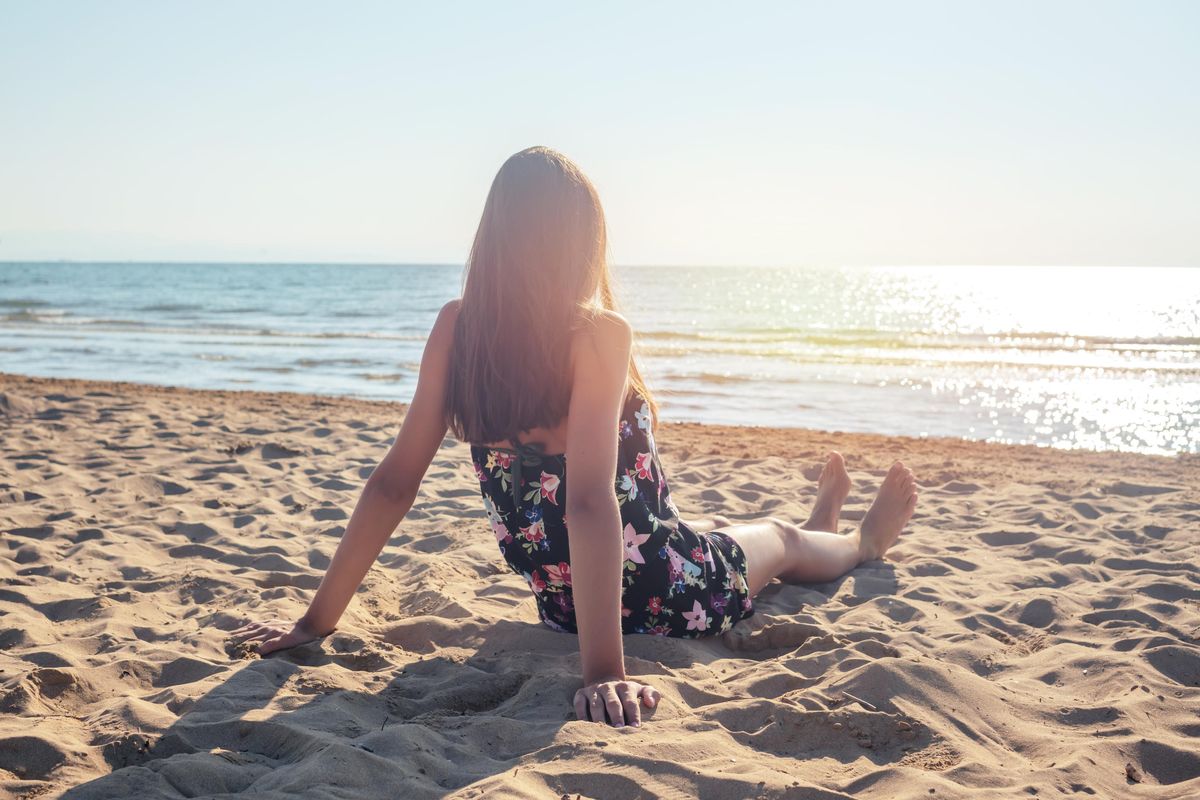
[{"x": 1071, "y": 357}]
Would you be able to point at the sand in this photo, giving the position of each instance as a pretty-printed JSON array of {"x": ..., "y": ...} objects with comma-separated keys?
[{"x": 1034, "y": 632}]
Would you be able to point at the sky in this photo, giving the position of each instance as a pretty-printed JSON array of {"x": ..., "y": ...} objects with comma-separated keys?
[{"x": 791, "y": 133}]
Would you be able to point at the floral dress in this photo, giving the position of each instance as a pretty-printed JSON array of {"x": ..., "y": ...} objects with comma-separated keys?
[{"x": 675, "y": 580}]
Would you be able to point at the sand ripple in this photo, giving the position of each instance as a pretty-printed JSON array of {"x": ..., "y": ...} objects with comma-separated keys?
[{"x": 1034, "y": 633}]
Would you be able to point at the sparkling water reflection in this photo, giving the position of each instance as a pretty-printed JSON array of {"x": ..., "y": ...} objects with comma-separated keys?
[{"x": 1067, "y": 357}]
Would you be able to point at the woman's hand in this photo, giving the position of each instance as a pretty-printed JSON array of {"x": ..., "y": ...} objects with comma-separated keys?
[
  {"x": 276, "y": 635},
  {"x": 619, "y": 698}
]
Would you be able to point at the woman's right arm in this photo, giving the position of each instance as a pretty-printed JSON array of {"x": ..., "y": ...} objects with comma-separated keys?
[{"x": 387, "y": 496}]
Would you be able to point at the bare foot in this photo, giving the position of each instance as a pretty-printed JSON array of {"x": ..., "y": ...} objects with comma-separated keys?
[
  {"x": 890, "y": 512},
  {"x": 832, "y": 488}
]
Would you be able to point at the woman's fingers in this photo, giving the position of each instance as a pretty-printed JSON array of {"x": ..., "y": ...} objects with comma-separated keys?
[
  {"x": 612, "y": 704},
  {"x": 592, "y": 701},
  {"x": 581, "y": 705},
  {"x": 629, "y": 703},
  {"x": 595, "y": 705},
  {"x": 617, "y": 699},
  {"x": 271, "y": 645},
  {"x": 261, "y": 634},
  {"x": 255, "y": 627},
  {"x": 272, "y": 636},
  {"x": 258, "y": 632}
]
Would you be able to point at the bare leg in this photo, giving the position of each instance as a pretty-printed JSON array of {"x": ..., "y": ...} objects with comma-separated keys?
[
  {"x": 710, "y": 523},
  {"x": 776, "y": 548}
]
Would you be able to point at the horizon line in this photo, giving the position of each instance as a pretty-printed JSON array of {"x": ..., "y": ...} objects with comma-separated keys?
[{"x": 626, "y": 265}]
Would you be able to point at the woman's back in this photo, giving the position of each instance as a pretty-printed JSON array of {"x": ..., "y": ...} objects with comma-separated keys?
[{"x": 550, "y": 439}]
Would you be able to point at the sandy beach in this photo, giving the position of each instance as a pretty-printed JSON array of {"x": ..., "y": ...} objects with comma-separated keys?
[{"x": 1034, "y": 633}]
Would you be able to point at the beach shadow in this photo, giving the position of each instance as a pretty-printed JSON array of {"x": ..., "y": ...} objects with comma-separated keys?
[
  {"x": 868, "y": 581},
  {"x": 780, "y": 624},
  {"x": 871, "y": 580},
  {"x": 432, "y": 726},
  {"x": 478, "y": 698}
]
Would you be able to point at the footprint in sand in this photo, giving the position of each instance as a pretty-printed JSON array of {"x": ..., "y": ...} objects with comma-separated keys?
[
  {"x": 1004, "y": 538},
  {"x": 274, "y": 452},
  {"x": 30, "y": 758},
  {"x": 761, "y": 632},
  {"x": 1137, "y": 490}
]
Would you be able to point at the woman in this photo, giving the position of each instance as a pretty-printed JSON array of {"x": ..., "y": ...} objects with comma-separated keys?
[{"x": 533, "y": 368}]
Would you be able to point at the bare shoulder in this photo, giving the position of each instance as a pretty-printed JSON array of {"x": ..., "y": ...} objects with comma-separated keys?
[
  {"x": 441, "y": 340},
  {"x": 450, "y": 310},
  {"x": 606, "y": 332},
  {"x": 443, "y": 327}
]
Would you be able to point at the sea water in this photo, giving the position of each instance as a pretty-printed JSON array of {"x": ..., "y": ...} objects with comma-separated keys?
[{"x": 1095, "y": 358}]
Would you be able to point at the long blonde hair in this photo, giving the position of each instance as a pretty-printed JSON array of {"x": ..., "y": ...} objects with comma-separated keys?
[{"x": 538, "y": 270}]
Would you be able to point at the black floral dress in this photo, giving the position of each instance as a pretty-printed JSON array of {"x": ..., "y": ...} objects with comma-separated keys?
[{"x": 675, "y": 581}]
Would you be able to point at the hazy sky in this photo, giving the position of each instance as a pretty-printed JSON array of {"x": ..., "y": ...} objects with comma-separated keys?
[{"x": 734, "y": 133}]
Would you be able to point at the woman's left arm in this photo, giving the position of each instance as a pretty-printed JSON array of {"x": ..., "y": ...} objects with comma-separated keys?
[
  {"x": 601, "y": 367},
  {"x": 386, "y": 498}
]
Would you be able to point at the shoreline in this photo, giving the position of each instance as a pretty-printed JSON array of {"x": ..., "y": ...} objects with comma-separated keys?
[
  {"x": 1035, "y": 628},
  {"x": 845, "y": 350},
  {"x": 688, "y": 428}
]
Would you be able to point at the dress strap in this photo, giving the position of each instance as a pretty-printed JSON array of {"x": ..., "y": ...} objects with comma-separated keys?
[{"x": 526, "y": 453}]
